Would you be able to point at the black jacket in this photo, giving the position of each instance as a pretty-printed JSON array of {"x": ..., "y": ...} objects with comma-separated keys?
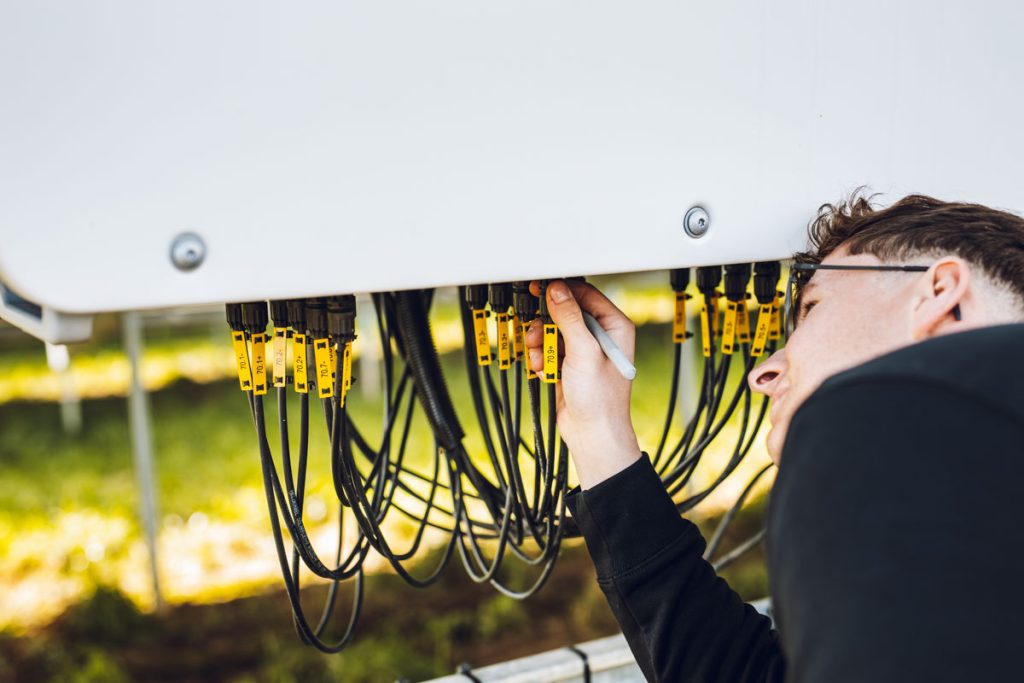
[{"x": 893, "y": 534}]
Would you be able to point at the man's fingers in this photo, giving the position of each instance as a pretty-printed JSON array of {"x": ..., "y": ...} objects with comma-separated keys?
[
  {"x": 568, "y": 316},
  {"x": 535, "y": 355},
  {"x": 584, "y": 297},
  {"x": 534, "y": 340},
  {"x": 593, "y": 301},
  {"x": 616, "y": 323},
  {"x": 535, "y": 334}
]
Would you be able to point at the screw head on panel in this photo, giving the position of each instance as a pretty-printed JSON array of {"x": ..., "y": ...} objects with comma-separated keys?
[
  {"x": 187, "y": 251},
  {"x": 696, "y": 222}
]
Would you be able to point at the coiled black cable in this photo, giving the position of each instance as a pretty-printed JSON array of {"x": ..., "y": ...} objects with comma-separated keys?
[{"x": 510, "y": 507}]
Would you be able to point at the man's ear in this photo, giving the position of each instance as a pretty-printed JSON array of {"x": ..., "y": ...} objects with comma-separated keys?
[{"x": 940, "y": 293}]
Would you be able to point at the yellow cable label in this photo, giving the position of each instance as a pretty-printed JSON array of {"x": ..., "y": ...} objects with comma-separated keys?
[
  {"x": 679, "y": 320},
  {"x": 280, "y": 354},
  {"x": 729, "y": 327},
  {"x": 551, "y": 372},
  {"x": 716, "y": 324},
  {"x": 743, "y": 323},
  {"x": 334, "y": 361},
  {"x": 242, "y": 360},
  {"x": 705, "y": 330},
  {"x": 346, "y": 372},
  {"x": 299, "y": 367},
  {"x": 483, "y": 343},
  {"x": 504, "y": 343},
  {"x": 530, "y": 374},
  {"x": 346, "y": 366},
  {"x": 775, "y": 330},
  {"x": 259, "y": 364},
  {"x": 764, "y": 319},
  {"x": 322, "y": 358},
  {"x": 518, "y": 336}
]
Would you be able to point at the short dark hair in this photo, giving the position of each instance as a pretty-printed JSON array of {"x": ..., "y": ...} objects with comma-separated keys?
[{"x": 990, "y": 239}]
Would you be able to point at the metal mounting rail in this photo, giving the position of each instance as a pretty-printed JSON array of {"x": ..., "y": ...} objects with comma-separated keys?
[{"x": 608, "y": 659}]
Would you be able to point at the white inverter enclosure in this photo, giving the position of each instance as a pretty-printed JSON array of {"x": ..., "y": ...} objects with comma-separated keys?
[{"x": 329, "y": 147}]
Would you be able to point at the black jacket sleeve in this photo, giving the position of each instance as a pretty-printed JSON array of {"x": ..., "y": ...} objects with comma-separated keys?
[
  {"x": 681, "y": 621},
  {"x": 893, "y": 536}
]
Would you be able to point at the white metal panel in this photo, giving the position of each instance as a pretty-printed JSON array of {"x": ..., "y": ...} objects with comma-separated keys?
[{"x": 328, "y": 147}]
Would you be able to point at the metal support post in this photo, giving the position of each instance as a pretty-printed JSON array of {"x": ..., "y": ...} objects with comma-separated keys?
[{"x": 142, "y": 445}]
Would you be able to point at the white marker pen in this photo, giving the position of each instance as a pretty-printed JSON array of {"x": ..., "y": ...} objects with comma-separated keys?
[{"x": 614, "y": 353}]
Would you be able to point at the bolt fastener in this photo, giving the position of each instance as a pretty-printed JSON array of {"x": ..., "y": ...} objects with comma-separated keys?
[
  {"x": 696, "y": 222},
  {"x": 187, "y": 251}
]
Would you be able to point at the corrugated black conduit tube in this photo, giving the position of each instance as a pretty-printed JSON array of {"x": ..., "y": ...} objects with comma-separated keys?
[{"x": 421, "y": 356}]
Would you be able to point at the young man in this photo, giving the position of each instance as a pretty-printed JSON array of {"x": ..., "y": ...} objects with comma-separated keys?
[{"x": 898, "y": 425}]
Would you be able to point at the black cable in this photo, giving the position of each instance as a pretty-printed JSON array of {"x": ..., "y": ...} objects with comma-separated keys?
[
  {"x": 740, "y": 550},
  {"x": 308, "y": 634},
  {"x": 512, "y": 507},
  {"x": 719, "y": 534}
]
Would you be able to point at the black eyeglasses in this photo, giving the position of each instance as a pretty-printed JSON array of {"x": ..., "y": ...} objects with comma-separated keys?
[{"x": 800, "y": 273}]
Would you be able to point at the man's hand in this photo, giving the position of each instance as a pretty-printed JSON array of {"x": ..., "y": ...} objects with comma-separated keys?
[{"x": 592, "y": 397}]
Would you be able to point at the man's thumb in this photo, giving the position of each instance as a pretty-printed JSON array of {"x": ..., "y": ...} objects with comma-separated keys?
[{"x": 566, "y": 314}]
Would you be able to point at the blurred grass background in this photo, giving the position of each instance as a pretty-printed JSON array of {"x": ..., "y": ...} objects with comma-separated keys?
[{"x": 73, "y": 565}]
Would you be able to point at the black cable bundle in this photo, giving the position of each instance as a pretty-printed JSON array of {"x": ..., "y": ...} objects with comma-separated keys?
[
  {"x": 713, "y": 412},
  {"x": 507, "y": 503}
]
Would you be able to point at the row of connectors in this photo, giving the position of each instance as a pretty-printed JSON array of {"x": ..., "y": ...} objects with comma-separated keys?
[
  {"x": 730, "y": 322},
  {"x": 513, "y": 308},
  {"x": 326, "y": 323},
  {"x": 513, "y": 305}
]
